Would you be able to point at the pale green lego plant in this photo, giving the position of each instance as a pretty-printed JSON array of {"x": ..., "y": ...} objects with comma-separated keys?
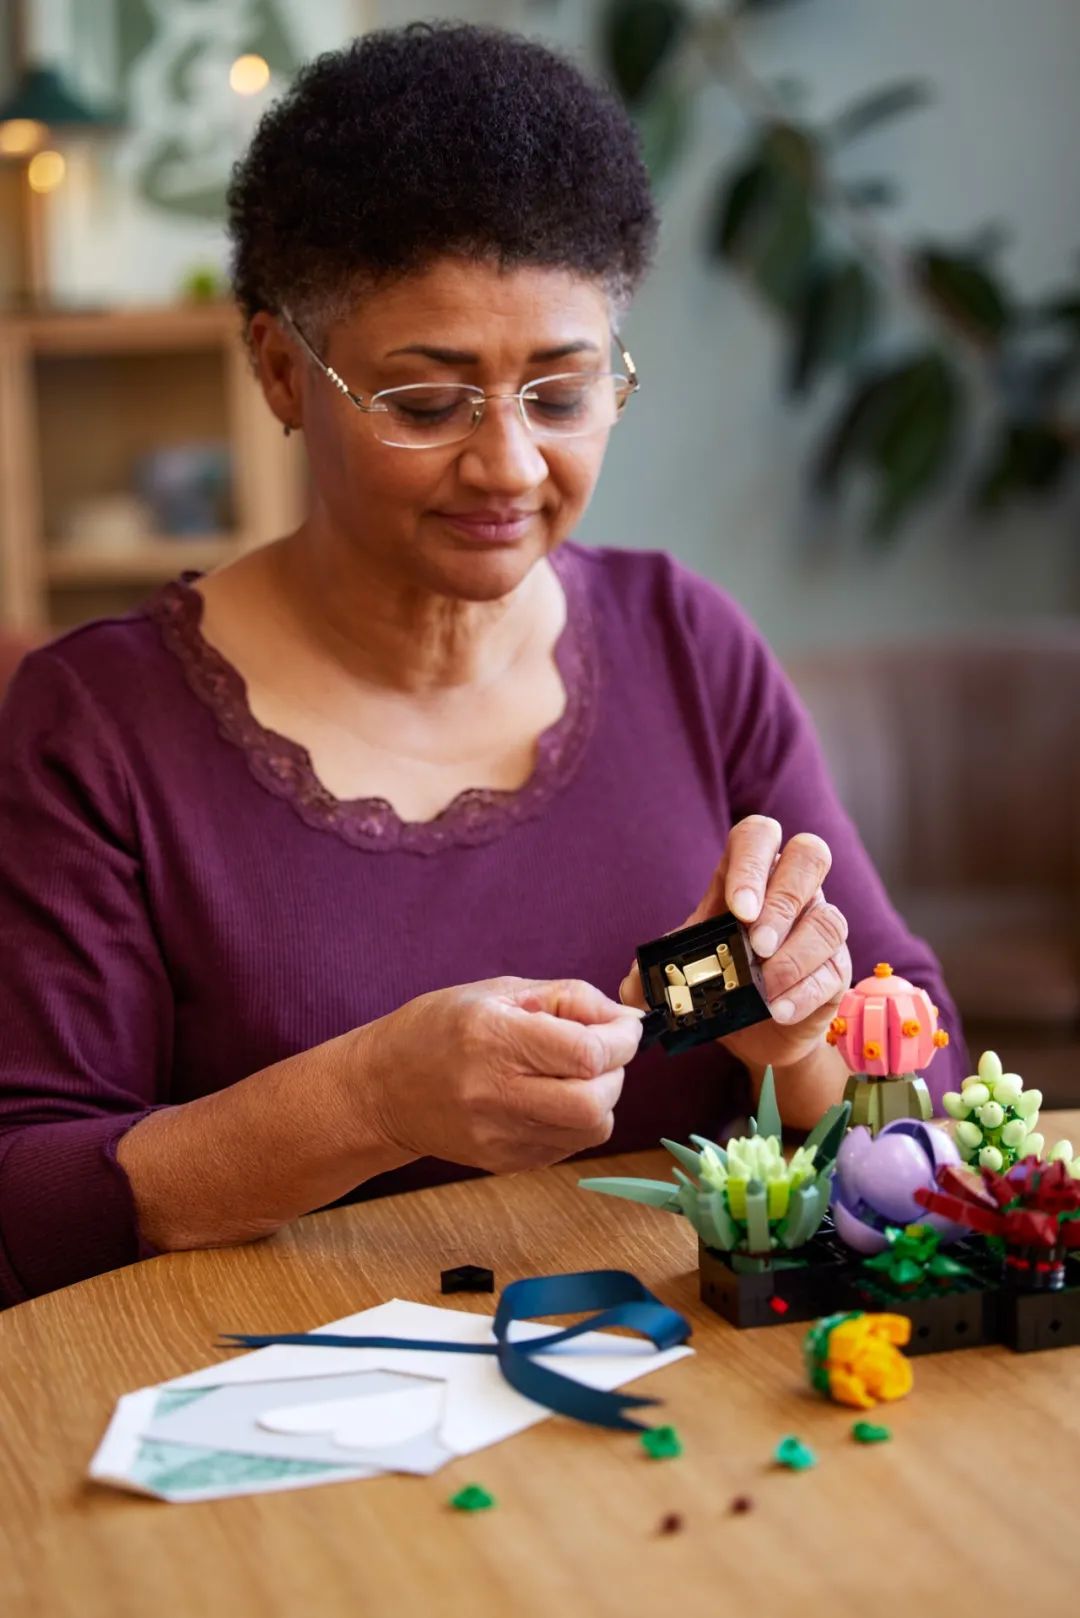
[
  {"x": 745, "y": 1199},
  {"x": 996, "y": 1119}
]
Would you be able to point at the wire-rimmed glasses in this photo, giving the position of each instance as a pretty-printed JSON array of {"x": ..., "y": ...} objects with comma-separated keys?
[{"x": 431, "y": 415}]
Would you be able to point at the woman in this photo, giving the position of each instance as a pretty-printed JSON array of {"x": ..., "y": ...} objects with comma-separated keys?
[{"x": 320, "y": 874}]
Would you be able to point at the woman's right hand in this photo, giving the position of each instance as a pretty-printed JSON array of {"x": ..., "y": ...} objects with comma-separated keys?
[{"x": 502, "y": 1075}]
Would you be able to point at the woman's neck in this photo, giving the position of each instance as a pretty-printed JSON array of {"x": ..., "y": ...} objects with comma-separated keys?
[{"x": 391, "y": 634}]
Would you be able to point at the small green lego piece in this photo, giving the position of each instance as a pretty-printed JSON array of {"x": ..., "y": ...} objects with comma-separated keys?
[
  {"x": 865, "y": 1432},
  {"x": 661, "y": 1443},
  {"x": 472, "y": 1498},
  {"x": 794, "y": 1454}
]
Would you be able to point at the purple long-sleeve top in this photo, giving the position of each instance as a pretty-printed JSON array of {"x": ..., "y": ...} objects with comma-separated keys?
[{"x": 182, "y": 903}]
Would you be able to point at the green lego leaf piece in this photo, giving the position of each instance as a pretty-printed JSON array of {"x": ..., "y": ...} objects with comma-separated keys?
[
  {"x": 805, "y": 1212},
  {"x": 767, "y": 1119},
  {"x": 661, "y": 1443},
  {"x": 690, "y": 1160},
  {"x": 865, "y": 1432},
  {"x": 472, "y": 1498},
  {"x": 758, "y": 1234},
  {"x": 794, "y": 1454},
  {"x": 654, "y": 1193},
  {"x": 828, "y": 1133},
  {"x": 700, "y": 1141},
  {"x": 707, "y": 1212}
]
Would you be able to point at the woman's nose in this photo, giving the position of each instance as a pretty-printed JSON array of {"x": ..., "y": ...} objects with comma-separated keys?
[{"x": 502, "y": 453}]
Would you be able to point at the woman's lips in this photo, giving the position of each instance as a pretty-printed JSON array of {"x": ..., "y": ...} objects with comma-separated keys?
[{"x": 490, "y": 528}]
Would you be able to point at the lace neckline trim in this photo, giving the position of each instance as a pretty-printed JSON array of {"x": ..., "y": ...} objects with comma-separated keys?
[{"x": 284, "y": 768}]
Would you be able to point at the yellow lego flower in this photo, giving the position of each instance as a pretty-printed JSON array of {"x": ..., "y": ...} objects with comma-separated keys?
[{"x": 856, "y": 1358}]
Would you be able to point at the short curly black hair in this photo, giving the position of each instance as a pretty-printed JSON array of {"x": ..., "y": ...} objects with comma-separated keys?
[{"x": 412, "y": 143}]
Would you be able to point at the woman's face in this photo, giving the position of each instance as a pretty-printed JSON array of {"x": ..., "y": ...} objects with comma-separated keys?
[{"x": 419, "y": 514}]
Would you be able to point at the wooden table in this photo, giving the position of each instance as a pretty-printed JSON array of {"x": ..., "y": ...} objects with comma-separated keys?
[{"x": 971, "y": 1508}]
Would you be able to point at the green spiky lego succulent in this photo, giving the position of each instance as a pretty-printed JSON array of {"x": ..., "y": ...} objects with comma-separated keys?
[{"x": 746, "y": 1199}]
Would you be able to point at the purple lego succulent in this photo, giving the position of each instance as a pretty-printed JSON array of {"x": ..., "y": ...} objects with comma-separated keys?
[{"x": 876, "y": 1176}]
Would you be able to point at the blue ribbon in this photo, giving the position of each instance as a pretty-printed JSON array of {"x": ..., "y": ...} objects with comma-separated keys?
[{"x": 618, "y": 1298}]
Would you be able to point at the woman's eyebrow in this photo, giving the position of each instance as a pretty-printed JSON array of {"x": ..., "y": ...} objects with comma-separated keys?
[{"x": 460, "y": 356}]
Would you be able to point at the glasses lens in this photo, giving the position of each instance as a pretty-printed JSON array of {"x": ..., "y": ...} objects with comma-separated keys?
[
  {"x": 573, "y": 405},
  {"x": 425, "y": 415}
]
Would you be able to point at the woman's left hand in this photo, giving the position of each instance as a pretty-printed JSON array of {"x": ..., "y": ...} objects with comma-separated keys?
[{"x": 801, "y": 939}]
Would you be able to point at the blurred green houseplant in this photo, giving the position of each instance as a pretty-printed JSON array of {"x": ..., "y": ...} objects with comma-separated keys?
[{"x": 807, "y": 243}]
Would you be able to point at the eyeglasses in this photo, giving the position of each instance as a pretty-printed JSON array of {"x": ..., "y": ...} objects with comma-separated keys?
[{"x": 430, "y": 415}]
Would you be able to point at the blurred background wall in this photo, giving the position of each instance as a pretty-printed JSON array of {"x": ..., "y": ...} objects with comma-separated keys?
[{"x": 713, "y": 464}]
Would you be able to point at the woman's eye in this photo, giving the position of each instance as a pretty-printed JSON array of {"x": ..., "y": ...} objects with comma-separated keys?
[
  {"x": 563, "y": 401},
  {"x": 428, "y": 408}
]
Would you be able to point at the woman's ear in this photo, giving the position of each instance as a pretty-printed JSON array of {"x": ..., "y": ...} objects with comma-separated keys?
[{"x": 278, "y": 367}]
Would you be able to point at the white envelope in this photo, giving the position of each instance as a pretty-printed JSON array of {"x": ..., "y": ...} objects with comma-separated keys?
[{"x": 480, "y": 1407}]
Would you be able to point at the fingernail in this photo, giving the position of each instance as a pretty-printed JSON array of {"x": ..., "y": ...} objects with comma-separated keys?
[
  {"x": 782, "y": 1010},
  {"x": 764, "y": 940},
  {"x": 746, "y": 904}
]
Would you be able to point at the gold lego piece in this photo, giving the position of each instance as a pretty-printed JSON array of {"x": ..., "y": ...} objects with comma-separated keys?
[
  {"x": 680, "y": 1000},
  {"x": 702, "y": 971}
]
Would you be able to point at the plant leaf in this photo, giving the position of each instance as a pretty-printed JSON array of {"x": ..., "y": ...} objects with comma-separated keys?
[
  {"x": 689, "y": 1159},
  {"x": 664, "y": 121},
  {"x": 835, "y": 317},
  {"x": 877, "y": 106},
  {"x": 805, "y": 1212},
  {"x": 1028, "y": 458},
  {"x": 637, "y": 38},
  {"x": 828, "y": 1133},
  {"x": 758, "y": 1234},
  {"x": 701, "y": 1143},
  {"x": 917, "y": 442},
  {"x": 780, "y": 256},
  {"x": 964, "y": 289},
  {"x": 712, "y": 1221},
  {"x": 739, "y": 199},
  {"x": 767, "y": 1118},
  {"x": 654, "y": 1193}
]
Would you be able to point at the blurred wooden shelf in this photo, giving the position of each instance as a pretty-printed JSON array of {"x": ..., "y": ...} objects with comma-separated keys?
[
  {"x": 153, "y": 561},
  {"x": 84, "y": 397},
  {"x": 118, "y": 331}
]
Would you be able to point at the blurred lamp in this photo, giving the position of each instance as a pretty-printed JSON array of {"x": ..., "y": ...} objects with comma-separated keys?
[
  {"x": 40, "y": 108},
  {"x": 248, "y": 75}
]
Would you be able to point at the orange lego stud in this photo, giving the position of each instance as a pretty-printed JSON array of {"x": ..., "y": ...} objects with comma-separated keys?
[
  {"x": 839, "y": 1025},
  {"x": 830, "y": 1037},
  {"x": 871, "y": 1051},
  {"x": 910, "y": 1029},
  {"x": 941, "y": 1039},
  {"x": 883, "y": 970}
]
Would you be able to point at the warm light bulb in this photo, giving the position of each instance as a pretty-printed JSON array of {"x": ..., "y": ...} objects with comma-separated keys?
[
  {"x": 20, "y": 136},
  {"x": 248, "y": 75},
  {"x": 45, "y": 171}
]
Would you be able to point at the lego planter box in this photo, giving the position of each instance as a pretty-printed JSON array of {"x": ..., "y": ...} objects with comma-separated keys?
[
  {"x": 1041, "y": 1319},
  {"x": 780, "y": 1290},
  {"x": 966, "y": 1316}
]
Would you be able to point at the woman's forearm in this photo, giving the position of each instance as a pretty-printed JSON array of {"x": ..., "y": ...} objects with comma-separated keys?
[{"x": 237, "y": 1165}]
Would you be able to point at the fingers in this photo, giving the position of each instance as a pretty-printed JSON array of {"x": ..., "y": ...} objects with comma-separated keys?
[
  {"x": 630, "y": 991},
  {"x": 571, "y": 998},
  {"x": 794, "y": 884},
  {"x": 820, "y": 986},
  {"x": 580, "y": 1108},
  {"x": 552, "y": 1033},
  {"x": 751, "y": 850}
]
